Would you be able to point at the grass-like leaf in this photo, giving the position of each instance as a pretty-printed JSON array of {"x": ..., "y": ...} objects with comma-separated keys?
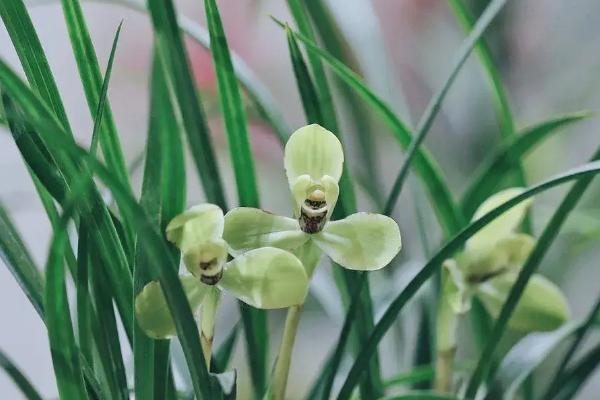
[
  {"x": 91, "y": 79},
  {"x": 31, "y": 54},
  {"x": 58, "y": 178},
  {"x": 506, "y": 158},
  {"x": 65, "y": 355},
  {"x": 163, "y": 197},
  {"x": 500, "y": 97},
  {"x": 174, "y": 57},
  {"x": 430, "y": 173},
  {"x": 17, "y": 259},
  {"x": 161, "y": 263},
  {"x": 333, "y": 40},
  {"x": 434, "y": 105},
  {"x": 578, "y": 374},
  {"x": 243, "y": 165},
  {"x": 581, "y": 334},
  {"x": 543, "y": 244},
  {"x": 584, "y": 172},
  {"x": 222, "y": 356},
  {"x": 29, "y": 392},
  {"x": 525, "y": 357}
]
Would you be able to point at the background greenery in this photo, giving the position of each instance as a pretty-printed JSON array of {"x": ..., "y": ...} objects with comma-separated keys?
[{"x": 534, "y": 78}]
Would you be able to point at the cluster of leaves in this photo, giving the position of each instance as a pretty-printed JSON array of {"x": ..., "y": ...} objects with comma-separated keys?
[{"x": 121, "y": 248}]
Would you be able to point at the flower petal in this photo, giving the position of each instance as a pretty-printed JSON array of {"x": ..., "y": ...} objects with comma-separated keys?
[
  {"x": 206, "y": 258},
  {"x": 504, "y": 224},
  {"x": 362, "y": 241},
  {"x": 152, "y": 312},
  {"x": 250, "y": 228},
  {"x": 266, "y": 278},
  {"x": 313, "y": 150},
  {"x": 542, "y": 307},
  {"x": 198, "y": 224}
]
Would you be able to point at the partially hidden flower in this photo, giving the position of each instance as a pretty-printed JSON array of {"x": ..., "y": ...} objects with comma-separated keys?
[
  {"x": 490, "y": 264},
  {"x": 314, "y": 162},
  {"x": 266, "y": 277}
]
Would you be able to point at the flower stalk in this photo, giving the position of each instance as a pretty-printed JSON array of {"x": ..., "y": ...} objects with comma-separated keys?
[
  {"x": 282, "y": 367},
  {"x": 446, "y": 346}
]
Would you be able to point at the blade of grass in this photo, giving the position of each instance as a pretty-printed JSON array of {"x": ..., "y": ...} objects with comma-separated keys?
[
  {"x": 580, "y": 336},
  {"x": 489, "y": 175},
  {"x": 335, "y": 43},
  {"x": 20, "y": 380},
  {"x": 392, "y": 311},
  {"x": 101, "y": 108},
  {"x": 424, "y": 125},
  {"x": 430, "y": 173},
  {"x": 500, "y": 97},
  {"x": 222, "y": 356},
  {"x": 524, "y": 357},
  {"x": 65, "y": 355},
  {"x": 175, "y": 61},
  {"x": 17, "y": 259},
  {"x": 163, "y": 197},
  {"x": 91, "y": 80},
  {"x": 543, "y": 244},
  {"x": 31, "y": 54},
  {"x": 105, "y": 331},
  {"x": 161, "y": 262},
  {"x": 577, "y": 375},
  {"x": 372, "y": 386},
  {"x": 234, "y": 117},
  {"x": 57, "y": 180},
  {"x": 258, "y": 93}
]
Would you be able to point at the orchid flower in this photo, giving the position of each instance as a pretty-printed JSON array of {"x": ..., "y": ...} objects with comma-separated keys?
[
  {"x": 265, "y": 278},
  {"x": 314, "y": 162},
  {"x": 490, "y": 264}
]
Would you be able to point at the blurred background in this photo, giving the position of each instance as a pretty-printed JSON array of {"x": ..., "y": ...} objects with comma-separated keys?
[{"x": 549, "y": 56}]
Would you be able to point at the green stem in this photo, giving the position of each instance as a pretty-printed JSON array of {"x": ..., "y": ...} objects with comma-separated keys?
[
  {"x": 446, "y": 346},
  {"x": 282, "y": 368},
  {"x": 207, "y": 324}
]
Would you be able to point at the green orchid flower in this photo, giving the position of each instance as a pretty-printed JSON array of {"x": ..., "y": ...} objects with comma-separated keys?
[
  {"x": 314, "y": 162},
  {"x": 266, "y": 277},
  {"x": 489, "y": 266}
]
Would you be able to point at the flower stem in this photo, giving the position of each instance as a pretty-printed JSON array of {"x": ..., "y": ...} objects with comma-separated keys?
[
  {"x": 207, "y": 324},
  {"x": 446, "y": 346},
  {"x": 282, "y": 368}
]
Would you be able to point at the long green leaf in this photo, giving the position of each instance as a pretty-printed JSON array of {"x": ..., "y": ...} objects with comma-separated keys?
[
  {"x": 161, "y": 263},
  {"x": 65, "y": 355},
  {"x": 432, "y": 109},
  {"x": 31, "y": 54},
  {"x": 430, "y": 173},
  {"x": 222, "y": 356},
  {"x": 91, "y": 79},
  {"x": 546, "y": 239},
  {"x": 24, "y": 385},
  {"x": 580, "y": 336},
  {"x": 175, "y": 61},
  {"x": 336, "y": 44},
  {"x": 506, "y": 157},
  {"x": 163, "y": 196},
  {"x": 501, "y": 103},
  {"x": 584, "y": 172},
  {"x": 577, "y": 375},
  {"x": 58, "y": 178},
  {"x": 524, "y": 357},
  {"x": 245, "y": 178},
  {"x": 17, "y": 259}
]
